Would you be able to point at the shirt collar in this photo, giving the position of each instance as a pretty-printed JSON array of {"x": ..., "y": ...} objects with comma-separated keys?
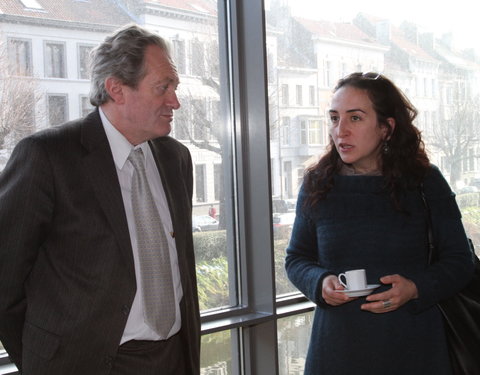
[{"x": 119, "y": 145}]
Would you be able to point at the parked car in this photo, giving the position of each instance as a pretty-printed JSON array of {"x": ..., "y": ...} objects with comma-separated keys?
[
  {"x": 283, "y": 224},
  {"x": 279, "y": 205},
  {"x": 202, "y": 223},
  {"x": 291, "y": 204},
  {"x": 468, "y": 189}
]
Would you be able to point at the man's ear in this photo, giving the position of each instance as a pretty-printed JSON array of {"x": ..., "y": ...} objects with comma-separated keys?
[
  {"x": 389, "y": 128},
  {"x": 114, "y": 88}
]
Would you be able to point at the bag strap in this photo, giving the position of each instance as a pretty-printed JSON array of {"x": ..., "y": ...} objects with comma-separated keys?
[{"x": 430, "y": 243}]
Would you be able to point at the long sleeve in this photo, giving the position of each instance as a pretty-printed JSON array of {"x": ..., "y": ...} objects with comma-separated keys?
[
  {"x": 25, "y": 211},
  {"x": 302, "y": 264}
]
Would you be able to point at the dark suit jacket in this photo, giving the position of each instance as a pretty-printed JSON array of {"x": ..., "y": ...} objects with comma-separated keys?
[{"x": 66, "y": 266}]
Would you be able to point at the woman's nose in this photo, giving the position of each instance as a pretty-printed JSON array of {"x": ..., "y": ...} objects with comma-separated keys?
[{"x": 342, "y": 128}]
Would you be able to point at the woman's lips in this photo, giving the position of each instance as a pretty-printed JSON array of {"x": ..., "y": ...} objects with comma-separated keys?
[{"x": 345, "y": 147}]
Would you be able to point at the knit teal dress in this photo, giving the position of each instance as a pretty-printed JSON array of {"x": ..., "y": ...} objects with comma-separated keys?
[{"x": 357, "y": 227}]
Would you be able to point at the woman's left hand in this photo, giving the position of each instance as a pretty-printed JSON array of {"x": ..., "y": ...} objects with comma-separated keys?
[{"x": 402, "y": 291}]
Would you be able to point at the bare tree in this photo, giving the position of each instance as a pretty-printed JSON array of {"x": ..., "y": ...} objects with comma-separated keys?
[
  {"x": 196, "y": 127},
  {"x": 457, "y": 135},
  {"x": 18, "y": 98}
]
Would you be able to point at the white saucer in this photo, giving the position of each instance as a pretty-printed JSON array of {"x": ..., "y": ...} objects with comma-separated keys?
[{"x": 361, "y": 292}]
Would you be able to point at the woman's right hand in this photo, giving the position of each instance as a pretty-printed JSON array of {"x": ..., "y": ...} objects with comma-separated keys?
[{"x": 330, "y": 285}]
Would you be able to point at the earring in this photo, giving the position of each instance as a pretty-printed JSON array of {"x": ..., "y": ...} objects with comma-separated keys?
[{"x": 386, "y": 147}]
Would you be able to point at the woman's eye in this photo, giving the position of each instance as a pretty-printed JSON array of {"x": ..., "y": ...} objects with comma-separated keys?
[{"x": 355, "y": 118}]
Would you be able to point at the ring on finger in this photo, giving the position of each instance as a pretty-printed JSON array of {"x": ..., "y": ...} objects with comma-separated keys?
[{"x": 387, "y": 304}]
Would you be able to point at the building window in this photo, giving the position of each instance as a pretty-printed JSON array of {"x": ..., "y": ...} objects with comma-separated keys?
[
  {"x": 84, "y": 61},
  {"x": 286, "y": 131},
  {"x": 299, "y": 94},
  {"x": 215, "y": 120},
  {"x": 312, "y": 96},
  {"x": 285, "y": 100},
  {"x": 272, "y": 73},
  {"x": 85, "y": 106},
  {"x": 314, "y": 132},
  {"x": 200, "y": 183},
  {"x": 198, "y": 58},
  {"x": 327, "y": 67},
  {"x": 287, "y": 178},
  {"x": 57, "y": 109},
  {"x": 199, "y": 119},
  {"x": 31, "y": 4},
  {"x": 55, "y": 60},
  {"x": 179, "y": 56},
  {"x": 20, "y": 57},
  {"x": 303, "y": 132},
  {"x": 212, "y": 59},
  {"x": 217, "y": 181},
  {"x": 343, "y": 69}
]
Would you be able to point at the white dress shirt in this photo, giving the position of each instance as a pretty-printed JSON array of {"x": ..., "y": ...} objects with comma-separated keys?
[{"x": 136, "y": 328}]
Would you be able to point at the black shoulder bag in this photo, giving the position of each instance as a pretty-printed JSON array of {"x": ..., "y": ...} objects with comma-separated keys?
[{"x": 461, "y": 313}]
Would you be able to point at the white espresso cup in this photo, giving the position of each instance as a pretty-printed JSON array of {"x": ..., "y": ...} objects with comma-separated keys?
[{"x": 354, "y": 279}]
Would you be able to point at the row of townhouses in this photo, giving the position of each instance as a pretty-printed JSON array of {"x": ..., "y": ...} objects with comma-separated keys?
[{"x": 44, "y": 79}]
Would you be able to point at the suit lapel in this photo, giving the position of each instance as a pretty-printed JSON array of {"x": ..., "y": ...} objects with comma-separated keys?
[{"x": 100, "y": 171}]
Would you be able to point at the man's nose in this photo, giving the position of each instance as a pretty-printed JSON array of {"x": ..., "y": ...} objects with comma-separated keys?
[{"x": 173, "y": 101}]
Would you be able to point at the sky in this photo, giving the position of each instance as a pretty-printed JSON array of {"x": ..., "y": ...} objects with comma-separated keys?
[{"x": 457, "y": 16}]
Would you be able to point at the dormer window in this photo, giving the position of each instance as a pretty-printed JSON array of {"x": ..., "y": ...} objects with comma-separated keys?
[{"x": 31, "y": 4}]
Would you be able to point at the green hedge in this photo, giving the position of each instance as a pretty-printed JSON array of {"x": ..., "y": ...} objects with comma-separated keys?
[
  {"x": 210, "y": 245},
  {"x": 467, "y": 200},
  {"x": 212, "y": 268}
]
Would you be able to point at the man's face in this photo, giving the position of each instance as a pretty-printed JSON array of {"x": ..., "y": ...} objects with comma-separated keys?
[{"x": 148, "y": 108}]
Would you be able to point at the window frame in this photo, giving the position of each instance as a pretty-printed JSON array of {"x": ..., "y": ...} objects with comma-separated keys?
[
  {"x": 83, "y": 66},
  {"x": 253, "y": 320},
  {"x": 47, "y": 57},
  {"x": 14, "y": 70},
  {"x": 52, "y": 95}
]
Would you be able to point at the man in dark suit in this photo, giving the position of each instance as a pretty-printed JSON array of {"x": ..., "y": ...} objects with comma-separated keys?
[{"x": 70, "y": 276}]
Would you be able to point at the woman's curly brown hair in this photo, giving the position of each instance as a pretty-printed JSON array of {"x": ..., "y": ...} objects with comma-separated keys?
[{"x": 405, "y": 163}]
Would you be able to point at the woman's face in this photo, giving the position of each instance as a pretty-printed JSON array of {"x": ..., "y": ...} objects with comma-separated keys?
[{"x": 355, "y": 130}]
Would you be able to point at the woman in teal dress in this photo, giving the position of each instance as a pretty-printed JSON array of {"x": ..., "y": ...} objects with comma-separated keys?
[{"x": 360, "y": 207}]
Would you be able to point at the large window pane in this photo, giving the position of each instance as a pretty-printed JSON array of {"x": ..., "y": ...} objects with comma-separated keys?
[
  {"x": 84, "y": 61},
  {"x": 55, "y": 60},
  {"x": 52, "y": 48},
  {"x": 305, "y": 58},
  {"x": 293, "y": 340},
  {"x": 20, "y": 57},
  {"x": 216, "y": 356},
  {"x": 316, "y": 46},
  {"x": 57, "y": 109}
]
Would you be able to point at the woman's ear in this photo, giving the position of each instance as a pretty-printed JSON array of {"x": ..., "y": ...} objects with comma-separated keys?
[
  {"x": 389, "y": 128},
  {"x": 114, "y": 88}
]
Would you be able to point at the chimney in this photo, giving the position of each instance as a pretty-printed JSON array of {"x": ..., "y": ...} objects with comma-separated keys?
[
  {"x": 383, "y": 31},
  {"x": 410, "y": 31},
  {"x": 427, "y": 41}
]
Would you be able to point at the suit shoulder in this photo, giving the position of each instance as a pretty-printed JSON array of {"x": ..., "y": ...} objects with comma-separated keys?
[
  {"x": 171, "y": 145},
  {"x": 57, "y": 133},
  {"x": 64, "y": 135}
]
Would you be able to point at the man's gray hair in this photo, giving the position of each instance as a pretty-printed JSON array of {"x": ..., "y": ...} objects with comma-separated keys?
[{"x": 121, "y": 55}]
